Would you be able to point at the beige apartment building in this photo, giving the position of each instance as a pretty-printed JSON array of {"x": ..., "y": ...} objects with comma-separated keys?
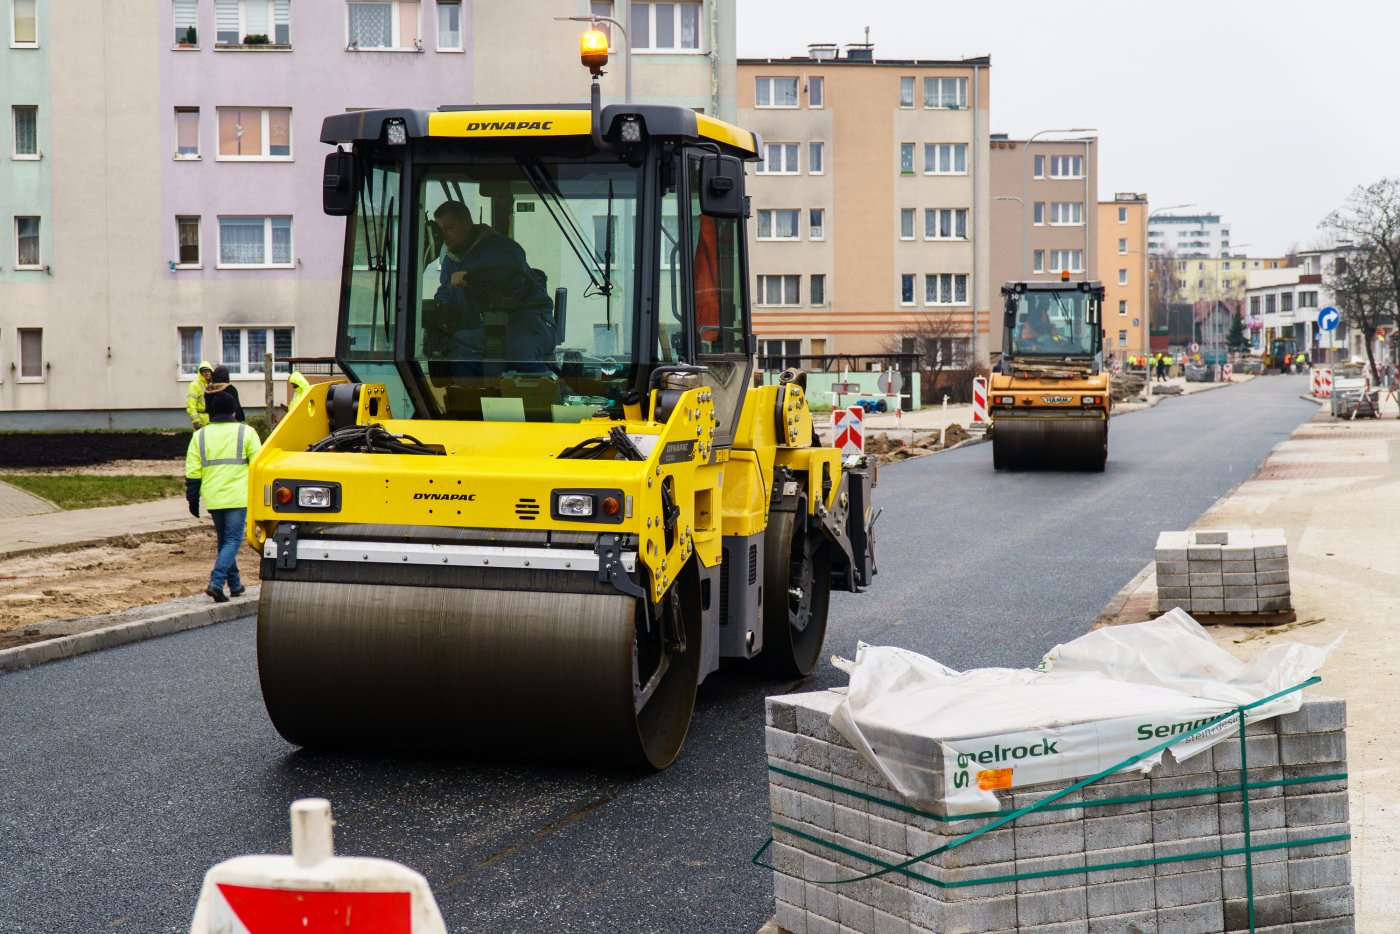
[
  {"x": 1203, "y": 278},
  {"x": 871, "y": 205},
  {"x": 1123, "y": 265},
  {"x": 1043, "y": 217}
]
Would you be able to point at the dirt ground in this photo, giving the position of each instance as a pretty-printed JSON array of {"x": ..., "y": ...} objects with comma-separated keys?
[{"x": 160, "y": 468}]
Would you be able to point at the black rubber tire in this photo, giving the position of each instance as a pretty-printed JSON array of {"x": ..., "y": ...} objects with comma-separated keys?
[{"x": 794, "y": 629}]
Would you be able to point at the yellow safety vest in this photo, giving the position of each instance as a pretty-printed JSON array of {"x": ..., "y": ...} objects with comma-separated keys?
[{"x": 218, "y": 457}]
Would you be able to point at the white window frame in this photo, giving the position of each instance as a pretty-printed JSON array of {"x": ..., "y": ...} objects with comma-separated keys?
[
  {"x": 912, "y": 149},
  {"x": 906, "y": 81},
  {"x": 1122, "y": 246},
  {"x": 817, "y": 148},
  {"x": 952, "y": 215},
  {"x": 438, "y": 6},
  {"x": 244, "y": 360},
  {"x": 954, "y": 150},
  {"x": 913, "y": 282},
  {"x": 770, "y": 82},
  {"x": 946, "y": 284},
  {"x": 907, "y": 220},
  {"x": 266, "y": 118},
  {"x": 770, "y": 215},
  {"x": 199, "y": 231},
  {"x": 812, "y": 288},
  {"x": 1122, "y": 277},
  {"x": 14, "y": 226},
  {"x": 176, "y": 26},
  {"x": 1123, "y": 336},
  {"x": 1066, "y": 214},
  {"x": 15, "y": 43},
  {"x": 941, "y": 99},
  {"x": 816, "y": 223},
  {"x": 180, "y": 373},
  {"x": 816, "y": 101},
  {"x": 272, "y": 46},
  {"x": 1122, "y": 215},
  {"x": 198, "y": 153},
  {"x": 1123, "y": 307},
  {"x": 20, "y": 359},
  {"x": 796, "y": 282},
  {"x": 395, "y": 32},
  {"x": 639, "y": 49},
  {"x": 1075, "y": 163},
  {"x": 763, "y": 167},
  {"x": 267, "y": 220},
  {"x": 15, "y": 154},
  {"x": 1058, "y": 257}
]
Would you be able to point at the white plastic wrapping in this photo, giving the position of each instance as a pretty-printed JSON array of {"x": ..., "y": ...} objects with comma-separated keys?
[{"x": 949, "y": 740}]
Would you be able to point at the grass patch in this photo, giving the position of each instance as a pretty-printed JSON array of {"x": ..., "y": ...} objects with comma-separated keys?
[{"x": 77, "y": 491}]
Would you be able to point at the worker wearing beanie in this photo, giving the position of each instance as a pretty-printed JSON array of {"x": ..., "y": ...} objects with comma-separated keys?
[
  {"x": 216, "y": 467},
  {"x": 194, "y": 396}
]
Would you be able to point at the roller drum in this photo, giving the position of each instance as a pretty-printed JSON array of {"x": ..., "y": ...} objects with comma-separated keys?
[{"x": 1049, "y": 444}]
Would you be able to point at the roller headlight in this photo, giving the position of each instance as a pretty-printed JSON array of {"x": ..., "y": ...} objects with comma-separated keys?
[
  {"x": 315, "y": 497},
  {"x": 574, "y": 506}
]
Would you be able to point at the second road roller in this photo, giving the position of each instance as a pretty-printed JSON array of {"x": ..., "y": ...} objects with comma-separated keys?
[{"x": 546, "y": 500}]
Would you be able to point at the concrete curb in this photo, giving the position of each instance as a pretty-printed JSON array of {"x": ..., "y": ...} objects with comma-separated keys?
[
  {"x": 162, "y": 624},
  {"x": 154, "y": 535},
  {"x": 1115, "y": 606}
]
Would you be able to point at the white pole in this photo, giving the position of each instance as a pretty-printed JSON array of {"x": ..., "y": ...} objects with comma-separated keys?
[{"x": 943, "y": 432}]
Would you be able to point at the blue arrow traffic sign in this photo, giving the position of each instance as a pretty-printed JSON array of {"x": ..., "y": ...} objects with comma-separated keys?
[{"x": 1328, "y": 318}]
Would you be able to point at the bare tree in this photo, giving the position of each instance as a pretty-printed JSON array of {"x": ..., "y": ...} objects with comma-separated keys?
[
  {"x": 942, "y": 342},
  {"x": 1368, "y": 280},
  {"x": 1164, "y": 290}
]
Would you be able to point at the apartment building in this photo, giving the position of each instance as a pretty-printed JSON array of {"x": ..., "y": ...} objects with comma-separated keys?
[
  {"x": 1188, "y": 236},
  {"x": 1216, "y": 278},
  {"x": 1122, "y": 259},
  {"x": 1044, "y": 219},
  {"x": 1284, "y": 303},
  {"x": 163, "y": 206},
  {"x": 870, "y": 205}
]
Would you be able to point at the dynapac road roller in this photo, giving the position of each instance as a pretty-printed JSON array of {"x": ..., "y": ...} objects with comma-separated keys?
[
  {"x": 548, "y": 500},
  {"x": 1050, "y": 403}
]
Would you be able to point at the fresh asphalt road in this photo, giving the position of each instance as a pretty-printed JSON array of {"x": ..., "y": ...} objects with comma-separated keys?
[{"x": 125, "y": 774}]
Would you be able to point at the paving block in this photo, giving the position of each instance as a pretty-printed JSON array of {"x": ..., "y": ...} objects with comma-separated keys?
[
  {"x": 1198, "y": 764},
  {"x": 995, "y": 848},
  {"x": 821, "y": 899},
  {"x": 1117, "y": 898},
  {"x": 1316, "y": 771},
  {"x": 1232, "y": 577},
  {"x": 1173, "y": 539},
  {"x": 856, "y": 915},
  {"x": 1048, "y": 839},
  {"x": 888, "y": 834},
  {"x": 1241, "y": 591},
  {"x": 1210, "y": 537},
  {"x": 814, "y": 716},
  {"x": 1312, "y": 832},
  {"x": 1270, "y": 577},
  {"x": 1319, "y": 872},
  {"x": 1257, "y": 839},
  {"x": 1325, "y": 926},
  {"x": 1312, "y": 810},
  {"x": 1173, "y": 567},
  {"x": 788, "y": 889},
  {"x": 1056, "y": 815},
  {"x": 817, "y": 924},
  {"x": 1167, "y": 594},
  {"x": 1264, "y": 814},
  {"x": 1206, "y": 578},
  {"x": 1101, "y": 833},
  {"x": 1310, "y": 748},
  {"x": 1268, "y": 878},
  {"x": 1275, "y": 604},
  {"x": 1203, "y": 553},
  {"x": 1207, "y": 605},
  {"x": 1188, "y": 888},
  {"x": 1278, "y": 561},
  {"x": 1318, "y": 904},
  {"x": 780, "y": 744},
  {"x": 1201, "y": 782},
  {"x": 818, "y": 813},
  {"x": 1269, "y": 911},
  {"x": 1189, "y": 861},
  {"x": 1067, "y": 927},
  {"x": 886, "y": 923},
  {"x": 1274, "y": 590},
  {"x": 978, "y": 889},
  {"x": 1207, "y": 592},
  {"x": 780, "y": 714},
  {"x": 1074, "y": 861},
  {"x": 785, "y": 803},
  {"x": 1240, "y": 553},
  {"x": 852, "y": 824},
  {"x": 1173, "y": 580},
  {"x": 1139, "y": 859},
  {"x": 1317, "y": 714},
  {"x": 1137, "y": 922},
  {"x": 1173, "y": 553},
  {"x": 791, "y": 918},
  {"x": 978, "y": 916},
  {"x": 848, "y": 766},
  {"x": 1172, "y": 824},
  {"x": 1262, "y": 752},
  {"x": 1192, "y": 919},
  {"x": 1238, "y": 605},
  {"x": 1035, "y": 910}
]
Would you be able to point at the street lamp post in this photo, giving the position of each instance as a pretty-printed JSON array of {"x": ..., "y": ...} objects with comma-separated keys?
[
  {"x": 627, "y": 67},
  {"x": 1026, "y": 193}
]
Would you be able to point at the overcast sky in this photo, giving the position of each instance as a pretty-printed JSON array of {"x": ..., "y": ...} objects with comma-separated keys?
[{"x": 1268, "y": 113}]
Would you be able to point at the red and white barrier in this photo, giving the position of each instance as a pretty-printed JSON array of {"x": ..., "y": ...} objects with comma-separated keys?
[
  {"x": 1117, "y": 368},
  {"x": 979, "y": 399},
  {"x": 313, "y": 891},
  {"x": 1227, "y": 373},
  {"x": 850, "y": 430},
  {"x": 1322, "y": 381}
]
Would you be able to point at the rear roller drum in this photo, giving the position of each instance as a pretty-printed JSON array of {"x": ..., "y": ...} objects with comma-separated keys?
[
  {"x": 1050, "y": 444},
  {"x": 796, "y": 594}
]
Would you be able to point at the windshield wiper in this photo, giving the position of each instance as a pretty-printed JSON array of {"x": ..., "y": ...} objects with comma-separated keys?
[{"x": 563, "y": 218}]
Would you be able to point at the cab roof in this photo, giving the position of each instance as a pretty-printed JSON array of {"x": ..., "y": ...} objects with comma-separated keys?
[{"x": 548, "y": 120}]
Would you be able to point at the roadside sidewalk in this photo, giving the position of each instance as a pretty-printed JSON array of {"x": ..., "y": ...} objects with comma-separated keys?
[
  {"x": 15, "y": 503},
  {"x": 1333, "y": 488},
  {"x": 71, "y": 529}
]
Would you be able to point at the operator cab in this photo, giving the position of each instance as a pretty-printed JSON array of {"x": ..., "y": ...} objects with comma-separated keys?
[
  {"x": 501, "y": 265},
  {"x": 1057, "y": 320}
]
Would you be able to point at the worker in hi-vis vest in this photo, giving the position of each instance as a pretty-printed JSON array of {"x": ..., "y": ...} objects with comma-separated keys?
[
  {"x": 216, "y": 467},
  {"x": 299, "y": 386},
  {"x": 194, "y": 396}
]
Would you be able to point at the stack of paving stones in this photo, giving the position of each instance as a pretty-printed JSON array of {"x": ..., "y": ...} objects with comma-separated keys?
[
  {"x": 1232, "y": 571},
  {"x": 1304, "y": 889}
]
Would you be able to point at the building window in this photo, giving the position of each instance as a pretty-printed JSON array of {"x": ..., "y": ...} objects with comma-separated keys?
[
  {"x": 381, "y": 24},
  {"x": 1225, "y": 265},
  {"x": 1269, "y": 304},
  {"x": 1123, "y": 307},
  {"x": 1122, "y": 338},
  {"x": 945, "y": 92},
  {"x": 186, "y": 23},
  {"x": 24, "y": 23},
  {"x": 1307, "y": 299},
  {"x": 775, "y": 92},
  {"x": 1226, "y": 284},
  {"x": 906, "y": 92},
  {"x": 945, "y": 223},
  {"x": 191, "y": 350},
  {"x": 1285, "y": 301},
  {"x": 1039, "y": 167},
  {"x": 1122, "y": 277},
  {"x": 255, "y": 133},
  {"x": 945, "y": 158},
  {"x": 1181, "y": 267},
  {"x": 1038, "y": 213},
  {"x": 1181, "y": 283},
  {"x": 816, "y": 223},
  {"x": 778, "y": 224},
  {"x": 1071, "y": 260},
  {"x": 252, "y": 22},
  {"x": 1254, "y": 305},
  {"x": 906, "y": 289},
  {"x": 1123, "y": 245},
  {"x": 26, "y": 122},
  {"x": 244, "y": 350},
  {"x": 187, "y": 237},
  {"x": 778, "y": 290},
  {"x": 906, "y": 158},
  {"x": 597, "y": 8},
  {"x": 186, "y": 132},
  {"x": 816, "y": 158},
  {"x": 255, "y": 241},
  {"x": 906, "y": 223},
  {"x": 1038, "y": 261},
  {"x": 945, "y": 289},
  {"x": 818, "y": 289},
  {"x": 31, "y": 354},
  {"x": 1066, "y": 214},
  {"x": 1122, "y": 215},
  {"x": 667, "y": 27},
  {"x": 27, "y": 243},
  {"x": 778, "y": 159},
  {"x": 1066, "y": 166},
  {"x": 816, "y": 92},
  {"x": 780, "y": 355},
  {"x": 449, "y": 24}
]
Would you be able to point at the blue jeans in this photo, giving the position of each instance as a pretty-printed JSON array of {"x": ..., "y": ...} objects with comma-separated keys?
[{"x": 228, "y": 529}]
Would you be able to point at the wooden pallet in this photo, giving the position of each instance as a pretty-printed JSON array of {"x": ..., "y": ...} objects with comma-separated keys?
[{"x": 1261, "y": 618}]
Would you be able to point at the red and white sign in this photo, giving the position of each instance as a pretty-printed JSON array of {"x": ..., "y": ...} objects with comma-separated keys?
[
  {"x": 272, "y": 911},
  {"x": 979, "y": 399},
  {"x": 1322, "y": 381},
  {"x": 1228, "y": 372},
  {"x": 850, "y": 430}
]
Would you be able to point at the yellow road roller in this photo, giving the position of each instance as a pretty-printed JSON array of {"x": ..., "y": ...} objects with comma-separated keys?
[
  {"x": 548, "y": 500},
  {"x": 1050, "y": 403}
]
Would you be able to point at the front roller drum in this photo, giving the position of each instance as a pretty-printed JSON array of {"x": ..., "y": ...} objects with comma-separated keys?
[
  {"x": 1050, "y": 444},
  {"x": 482, "y": 673}
]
